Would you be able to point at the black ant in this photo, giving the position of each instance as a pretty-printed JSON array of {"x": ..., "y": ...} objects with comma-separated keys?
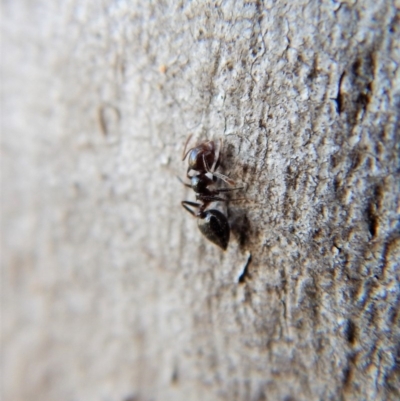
[{"x": 212, "y": 223}]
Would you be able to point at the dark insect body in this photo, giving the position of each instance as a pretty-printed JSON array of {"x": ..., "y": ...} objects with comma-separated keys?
[{"x": 212, "y": 223}]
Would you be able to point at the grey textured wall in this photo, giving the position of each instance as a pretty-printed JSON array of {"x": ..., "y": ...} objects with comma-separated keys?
[{"x": 109, "y": 291}]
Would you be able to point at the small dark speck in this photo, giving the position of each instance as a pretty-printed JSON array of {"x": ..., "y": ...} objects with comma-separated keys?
[
  {"x": 261, "y": 124},
  {"x": 245, "y": 273},
  {"x": 175, "y": 376},
  {"x": 229, "y": 65},
  {"x": 350, "y": 332},
  {"x": 347, "y": 374}
]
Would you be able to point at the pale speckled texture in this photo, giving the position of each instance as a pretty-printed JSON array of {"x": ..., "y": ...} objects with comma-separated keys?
[{"x": 109, "y": 291}]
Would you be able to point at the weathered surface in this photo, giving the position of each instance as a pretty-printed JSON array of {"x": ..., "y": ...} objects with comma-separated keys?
[{"x": 109, "y": 291}]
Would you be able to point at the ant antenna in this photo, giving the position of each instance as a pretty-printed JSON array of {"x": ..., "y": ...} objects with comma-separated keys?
[{"x": 184, "y": 149}]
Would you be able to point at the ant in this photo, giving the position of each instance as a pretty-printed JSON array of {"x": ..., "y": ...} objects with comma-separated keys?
[{"x": 212, "y": 223}]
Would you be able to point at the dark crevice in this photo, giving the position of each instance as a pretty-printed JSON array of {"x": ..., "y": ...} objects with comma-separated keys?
[
  {"x": 350, "y": 332},
  {"x": 245, "y": 272},
  {"x": 339, "y": 96}
]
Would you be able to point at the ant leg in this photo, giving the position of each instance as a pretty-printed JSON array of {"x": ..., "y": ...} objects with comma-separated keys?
[
  {"x": 218, "y": 175},
  {"x": 183, "y": 182},
  {"x": 210, "y": 198},
  {"x": 188, "y": 170},
  {"x": 184, "y": 149},
  {"x": 228, "y": 189},
  {"x": 193, "y": 204}
]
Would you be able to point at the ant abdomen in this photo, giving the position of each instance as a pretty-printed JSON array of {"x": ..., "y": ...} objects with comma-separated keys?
[{"x": 215, "y": 227}]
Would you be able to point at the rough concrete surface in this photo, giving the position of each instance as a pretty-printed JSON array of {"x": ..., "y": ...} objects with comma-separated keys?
[{"x": 109, "y": 290}]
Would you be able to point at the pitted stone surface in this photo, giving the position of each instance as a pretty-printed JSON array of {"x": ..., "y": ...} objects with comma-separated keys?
[{"x": 110, "y": 291}]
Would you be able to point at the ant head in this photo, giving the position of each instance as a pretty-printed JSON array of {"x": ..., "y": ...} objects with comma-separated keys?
[
  {"x": 214, "y": 226},
  {"x": 197, "y": 155}
]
